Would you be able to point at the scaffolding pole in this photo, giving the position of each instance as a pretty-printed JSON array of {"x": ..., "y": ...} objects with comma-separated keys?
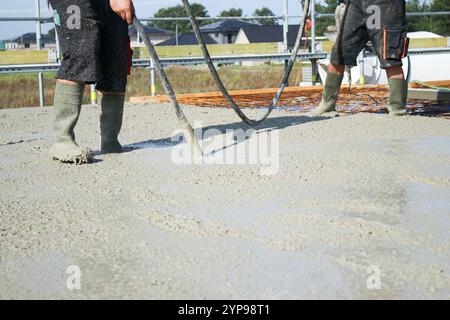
[
  {"x": 39, "y": 47},
  {"x": 285, "y": 25}
]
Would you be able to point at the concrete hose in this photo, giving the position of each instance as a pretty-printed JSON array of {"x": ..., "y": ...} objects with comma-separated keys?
[
  {"x": 219, "y": 82},
  {"x": 183, "y": 122}
]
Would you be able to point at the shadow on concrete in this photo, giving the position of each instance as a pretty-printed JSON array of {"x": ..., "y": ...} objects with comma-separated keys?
[{"x": 274, "y": 123}]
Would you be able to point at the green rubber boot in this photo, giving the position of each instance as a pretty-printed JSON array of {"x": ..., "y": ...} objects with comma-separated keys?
[
  {"x": 330, "y": 94},
  {"x": 398, "y": 92},
  {"x": 67, "y": 107},
  {"x": 111, "y": 122}
]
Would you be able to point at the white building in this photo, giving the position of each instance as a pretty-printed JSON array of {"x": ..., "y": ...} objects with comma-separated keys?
[{"x": 156, "y": 36}]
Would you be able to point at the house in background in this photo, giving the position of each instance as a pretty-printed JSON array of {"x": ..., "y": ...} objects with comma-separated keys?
[
  {"x": 28, "y": 41},
  {"x": 265, "y": 34},
  {"x": 156, "y": 35},
  {"x": 225, "y": 31},
  {"x": 187, "y": 39}
]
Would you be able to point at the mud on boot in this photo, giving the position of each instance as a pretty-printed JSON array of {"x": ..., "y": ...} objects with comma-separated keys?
[{"x": 70, "y": 153}]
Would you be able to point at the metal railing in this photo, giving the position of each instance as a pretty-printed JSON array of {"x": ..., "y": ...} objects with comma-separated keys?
[
  {"x": 408, "y": 14},
  {"x": 148, "y": 63},
  {"x": 139, "y": 63},
  {"x": 53, "y": 67},
  {"x": 317, "y": 14}
]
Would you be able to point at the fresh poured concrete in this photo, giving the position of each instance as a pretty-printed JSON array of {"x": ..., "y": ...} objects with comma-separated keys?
[{"x": 355, "y": 199}]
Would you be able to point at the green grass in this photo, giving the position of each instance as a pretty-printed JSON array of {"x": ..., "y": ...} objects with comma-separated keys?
[
  {"x": 23, "y": 56},
  {"x": 198, "y": 79},
  {"x": 21, "y": 90}
]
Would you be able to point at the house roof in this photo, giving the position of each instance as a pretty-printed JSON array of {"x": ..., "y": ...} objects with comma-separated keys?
[
  {"x": 30, "y": 37},
  {"x": 258, "y": 34},
  {"x": 226, "y": 26},
  {"x": 187, "y": 39},
  {"x": 148, "y": 30}
]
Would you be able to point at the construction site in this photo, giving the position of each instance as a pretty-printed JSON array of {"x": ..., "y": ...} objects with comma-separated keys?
[
  {"x": 368, "y": 99},
  {"x": 208, "y": 203}
]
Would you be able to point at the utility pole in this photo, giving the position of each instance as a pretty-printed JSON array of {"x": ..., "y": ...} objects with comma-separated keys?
[{"x": 285, "y": 25}]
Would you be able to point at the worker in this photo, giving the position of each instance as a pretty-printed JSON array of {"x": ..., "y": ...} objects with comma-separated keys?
[
  {"x": 95, "y": 48},
  {"x": 384, "y": 24}
]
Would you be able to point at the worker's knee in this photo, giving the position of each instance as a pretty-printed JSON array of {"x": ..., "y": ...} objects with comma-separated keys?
[
  {"x": 105, "y": 93},
  {"x": 395, "y": 73},
  {"x": 336, "y": 68},
  {"x": 69, "y": 82}
]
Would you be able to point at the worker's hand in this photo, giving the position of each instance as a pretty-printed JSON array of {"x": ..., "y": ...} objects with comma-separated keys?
[{"x": 124, "y": 8}]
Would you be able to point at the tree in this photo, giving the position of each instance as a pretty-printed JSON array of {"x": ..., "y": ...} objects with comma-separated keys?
[
  {"x": 417, "y": 23},
  {"x": 233, "y": 12},
  {"x": 176, "y": 12},
  {"x": 264, "y": 11},
  {"x": 436, "y": 24},
  {"x": 322, "y": 24},
  {"x": 440, "y": 24}
]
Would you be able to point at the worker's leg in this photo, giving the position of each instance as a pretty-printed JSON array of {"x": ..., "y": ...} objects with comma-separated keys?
[
  {"x": 352, "y": 38},
  {"x": 115, "y": 57},
  {"x": 79, "y": 49},
  {"x": 67, "y": 106},
  {"x": 395, "y": 73},
  {"x": 336, "y": 68},
  {"x": 330, "y": 90},
  {"x": 112, "y": 105},
  {"x": 390, "y": 44}
]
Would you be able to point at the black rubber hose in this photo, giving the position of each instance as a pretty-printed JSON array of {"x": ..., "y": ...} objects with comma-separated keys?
[
  {"x": 184, "y": 123},
  {"x": 219, "y": 82}
]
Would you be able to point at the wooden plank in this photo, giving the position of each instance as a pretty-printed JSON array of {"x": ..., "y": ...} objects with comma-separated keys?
[
  {"x": 429, "y": 94},
  {"x": 442, "y": 83}
]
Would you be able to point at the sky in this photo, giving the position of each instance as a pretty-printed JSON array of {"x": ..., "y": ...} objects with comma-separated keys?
[{"x": 144, "y": 8}]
